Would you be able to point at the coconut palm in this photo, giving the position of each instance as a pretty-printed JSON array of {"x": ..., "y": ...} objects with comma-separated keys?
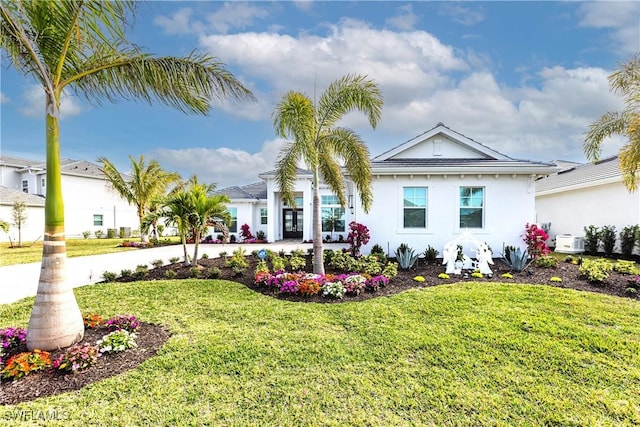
[
  {"x": 626, "y": 83},
  {"x": 176, "y": 211},
  {"x": 323, "y": 147},
  {"x": 80, "y": 46},
  {"x": 142, "y": 188}
]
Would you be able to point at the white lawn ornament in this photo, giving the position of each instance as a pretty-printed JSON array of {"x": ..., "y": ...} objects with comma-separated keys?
[
  {"x": 449, "y": 256},
  {"x": 484, "y": 257}
]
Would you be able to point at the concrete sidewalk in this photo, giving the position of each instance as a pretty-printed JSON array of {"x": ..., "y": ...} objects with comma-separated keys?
[{"x": 21, "y": 280}]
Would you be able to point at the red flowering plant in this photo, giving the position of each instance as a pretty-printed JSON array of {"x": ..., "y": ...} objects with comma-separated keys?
[
  {"x": 76, "y": 358},
  {"x": 358, "y": 236},
  {"x": 245, "y": 232},
  {"x": 536, "y": 240},
  {"x": 22, "y": 364}
]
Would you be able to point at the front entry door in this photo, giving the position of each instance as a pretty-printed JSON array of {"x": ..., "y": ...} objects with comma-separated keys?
[{"x": 292, "y": 226}]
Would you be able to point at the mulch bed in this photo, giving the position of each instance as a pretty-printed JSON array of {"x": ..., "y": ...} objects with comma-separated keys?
[{"x": 150, "y": 338}]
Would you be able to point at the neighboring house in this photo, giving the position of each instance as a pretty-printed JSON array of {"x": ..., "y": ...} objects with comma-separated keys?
[
  {"x": 33, "y": 227},
  {"x": 89, "y": 203},
  {"x": 586, "y": 194},
  {"x": 427, "y": 191}
]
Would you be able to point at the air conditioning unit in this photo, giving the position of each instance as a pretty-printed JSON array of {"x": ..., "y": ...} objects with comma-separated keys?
[{"x": 568, "y": 244}]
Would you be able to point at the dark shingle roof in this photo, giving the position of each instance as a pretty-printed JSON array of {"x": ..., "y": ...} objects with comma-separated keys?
[
  {"x": 68, "y": 166},
  {"x": 582, "y": 175}
]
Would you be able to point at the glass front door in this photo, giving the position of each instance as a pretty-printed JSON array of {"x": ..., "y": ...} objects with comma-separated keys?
[{"x": 293, "y": 223}]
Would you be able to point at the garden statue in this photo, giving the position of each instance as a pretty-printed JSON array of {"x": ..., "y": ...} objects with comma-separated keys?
[
  {"x": 449, "y": 257},
  {"x": 484, "y": 257}
]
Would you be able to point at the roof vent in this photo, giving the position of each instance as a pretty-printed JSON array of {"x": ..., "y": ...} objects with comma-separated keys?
[{"x": 440, "y": 124}]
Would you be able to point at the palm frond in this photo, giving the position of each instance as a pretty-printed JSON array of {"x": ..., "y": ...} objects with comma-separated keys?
[
  {"x": 351, "y": 148},
  {"x": 608, "y": 124},
  {"x": 115, "y": 179},
  {"x": 349, "y": 93},
  {"x": 294, "y": 117},
  {"x": 331, "y": 174},
  {"x": 287, "y": 171}
]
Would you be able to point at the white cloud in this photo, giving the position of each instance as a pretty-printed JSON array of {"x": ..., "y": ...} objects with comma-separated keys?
[
  {"x": 425, "y": 82},
  {"x": 223, "y": 166},
  {"x": 465, "y": 15},
  {"x": 179, "y": 22},
  {"x": 236, "y": 15},
  {"x": 34, "y": 103},
  {"x": 621, "y": 17},
  {"x": 405, "y": 19},
  {"x": 4, "y": 98}
]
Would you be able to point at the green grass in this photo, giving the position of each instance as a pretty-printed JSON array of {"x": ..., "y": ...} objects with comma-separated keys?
[
  {"x": 75, "y": 247},
  {"x": 468, "y": 354}
]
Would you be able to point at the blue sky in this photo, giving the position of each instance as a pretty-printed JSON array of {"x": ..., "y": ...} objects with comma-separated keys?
[{"x": 525, "y": 78}]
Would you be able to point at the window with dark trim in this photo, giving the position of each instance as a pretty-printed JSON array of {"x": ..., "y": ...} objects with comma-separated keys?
[{"x": 414, "y": 207}]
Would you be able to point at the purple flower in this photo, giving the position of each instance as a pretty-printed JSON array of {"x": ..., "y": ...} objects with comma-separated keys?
[{"x": 289, "y": 287}]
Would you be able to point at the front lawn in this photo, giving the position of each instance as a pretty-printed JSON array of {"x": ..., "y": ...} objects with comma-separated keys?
[
  {"x": 462, "y": 354},
  {"x": 32, "y": 252}
]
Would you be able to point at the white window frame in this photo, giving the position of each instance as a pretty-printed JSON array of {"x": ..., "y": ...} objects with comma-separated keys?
[
  {"x": 483, "y": 207},
  {"x": 332, "y": 202}
]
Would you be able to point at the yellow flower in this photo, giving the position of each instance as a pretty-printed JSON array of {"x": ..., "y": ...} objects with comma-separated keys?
[
  {"x": 556, "y": 279},
  {"x": 419, "y": 279},
  {"x": 507, "y": 276},
  {"x": 443, "y": 276}
]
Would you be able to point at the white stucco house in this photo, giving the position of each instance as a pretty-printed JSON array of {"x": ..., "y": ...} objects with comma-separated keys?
[
  {"x": 427, "y": 191},
  {"x": 586, "y": 194},
  {"x": 89, "y": 203}
]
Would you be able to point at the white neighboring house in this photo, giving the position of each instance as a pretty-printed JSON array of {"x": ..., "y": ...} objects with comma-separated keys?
[
  {"x": 89, "y": 202},
  {"x": 248, "y": 205},
  {"x": 586, "y": 194},
  {"x": 427, "y": 191}
]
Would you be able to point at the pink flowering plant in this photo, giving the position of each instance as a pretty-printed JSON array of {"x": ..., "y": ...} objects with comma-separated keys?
[
  {"x": 358, "y": 236},
  {"x": 76, "y": 358},
  {"x": 11, "y": 338},
  {"x": 536, "y": 240},
  {"x": 127, "y": 322}
]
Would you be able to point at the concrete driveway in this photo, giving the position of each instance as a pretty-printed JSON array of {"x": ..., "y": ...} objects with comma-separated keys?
[{"x": 21, "y": 280}]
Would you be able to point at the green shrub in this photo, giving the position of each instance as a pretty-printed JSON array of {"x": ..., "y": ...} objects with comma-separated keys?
[
  {"x": 328, "y": 255},
  {"x": 157, "y": 263},
  {"x": 591, "y": 239},
  {"x": 125, "y": 273},
  {"x": 262, "y": 267},
  {"x": 624, "y": 267},
  {"x": 628, "y": 237},
  {"x": 390, "y": 270},
  {"x": 194, "y": 272},
  {"x": 141, "y": 271},
  {"x": 546, "y": 261},
  {"x": 431, "y": 254},
  {"x": 237, "y": 259},
  {"x": 379, "y": 252},
  {"x": 174, "y": 259},
  {"x": 608, "y": 239},
  {"x": 213, "y": 273},
  {"x": 298, "y": 252},
  {"x": 170, "y": 274},
  {"x": 117, "y": 341},
  {"x": 86, "y": 234},
  {"x": 204, "y": 256},
  {"x": 109, "y": 276},
  {"x": 238, "y": 271},
  {"x": 370, "y": 264},
  {"x": 342, "y": 261},
  {"x": 596, "y": 270},
  {"x": 278, "y": 263},
  {"x": 297, "y": 262},
  {"x": 99, "y": 234}
]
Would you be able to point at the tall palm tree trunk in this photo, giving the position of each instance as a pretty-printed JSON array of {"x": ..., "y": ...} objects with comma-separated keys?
[
  {"x": 318, "y": 263},
  {"x": 56, "y": 320}
]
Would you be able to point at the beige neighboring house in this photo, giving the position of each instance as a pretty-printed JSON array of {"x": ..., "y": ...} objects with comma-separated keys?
[
  {"x": 89, "y": 203},
  {"x": 580, "y": 195}
]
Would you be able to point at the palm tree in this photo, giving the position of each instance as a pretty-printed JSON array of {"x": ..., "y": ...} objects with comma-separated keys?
[
  {"x": 204, "y": 208},
  {"x": 626, "y": 83},
  {"x": 81, "y": 46},
  {"x": 176, "y": 211},
  {"x": 147, "y": 183},
  {"x": 322, "y": 146}
]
